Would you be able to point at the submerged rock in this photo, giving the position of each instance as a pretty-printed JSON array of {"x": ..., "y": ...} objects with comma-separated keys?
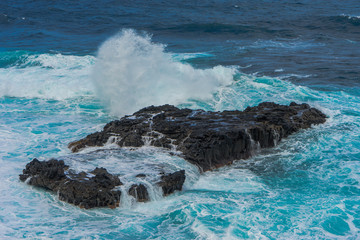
[
  {"x": 141, "y": 175},
  {"x": 87, "y": 190},
  {"x": 207, "y": 139}
]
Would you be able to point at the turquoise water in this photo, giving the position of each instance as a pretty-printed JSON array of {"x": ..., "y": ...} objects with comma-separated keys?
[{"x": 307, "y": 187}]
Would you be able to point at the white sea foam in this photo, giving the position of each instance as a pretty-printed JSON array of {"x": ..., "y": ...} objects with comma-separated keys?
[
  {"x": 349, "y": 16},
  {"x": 187, "y": 56},
  {"x": 229, "y": 179},
  {"x": 48, "y": 76},
  {"x": 132, "y": 72},
  {"x": 290, "y": 192}
]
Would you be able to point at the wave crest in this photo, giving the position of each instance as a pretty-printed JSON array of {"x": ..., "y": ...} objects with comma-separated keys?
[{"x": 347, "y": 19}]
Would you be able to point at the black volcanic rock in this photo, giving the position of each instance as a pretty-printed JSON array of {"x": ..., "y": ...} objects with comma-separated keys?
[
  {"x": 207, "y": 139},
  {"x": 139, "y": 192},
  {"x": 85, "y": 190},
  {"x": 93, "y": 189},
  {"x": 141, "y": 175},
  {"x": 172, "y": 182},
  {"x": 44, "y": 174}
]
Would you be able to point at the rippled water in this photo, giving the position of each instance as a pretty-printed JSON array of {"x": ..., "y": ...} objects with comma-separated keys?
[{"x": 68, "y": 68}]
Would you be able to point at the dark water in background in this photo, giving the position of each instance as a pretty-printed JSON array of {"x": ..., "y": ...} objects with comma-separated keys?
[
  {"x": 52, "y": 80},
  {"x": 318, "y": 39}
]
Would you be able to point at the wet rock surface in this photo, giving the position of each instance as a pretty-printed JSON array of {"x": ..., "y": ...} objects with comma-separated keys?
[
  {"x": 206, "y": 139},
  {"x": 86, "y": 190},
  {"x": 139, "y": 192},
  {"x": 172, "y": 182},
  {"x": 97, "y": 188}
]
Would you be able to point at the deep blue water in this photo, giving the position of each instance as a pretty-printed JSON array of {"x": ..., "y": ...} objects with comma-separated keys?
[{"x": 69, "y": 67}]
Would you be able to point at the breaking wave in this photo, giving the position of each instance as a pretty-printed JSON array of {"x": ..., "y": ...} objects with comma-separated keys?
[{"x": 132, "y": 72}]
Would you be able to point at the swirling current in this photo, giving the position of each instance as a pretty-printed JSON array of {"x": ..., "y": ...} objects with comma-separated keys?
[{"x": 67, "y": 68}]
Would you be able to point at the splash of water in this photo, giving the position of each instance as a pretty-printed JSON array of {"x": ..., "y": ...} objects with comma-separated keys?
[{"x": 132, "y": 72}]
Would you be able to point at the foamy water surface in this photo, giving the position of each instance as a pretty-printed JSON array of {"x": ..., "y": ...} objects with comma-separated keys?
[
  {"x": 69, "y": 67},
  {"x": 306, "y": 186}
]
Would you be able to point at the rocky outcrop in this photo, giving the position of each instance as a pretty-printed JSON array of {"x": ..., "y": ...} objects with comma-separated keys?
[
  {"x": 169, "y": 183},
  {"x": 139, "y": 192},
  {"x": 94, "y": 189},
  {"x": 86, "y": 190},
  {"x": 172, "y": 182},
  {"x": 207, "y": 139}
]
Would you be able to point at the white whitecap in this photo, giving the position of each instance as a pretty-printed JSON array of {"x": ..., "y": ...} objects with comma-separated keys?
[{"x": 48, "y": 76}]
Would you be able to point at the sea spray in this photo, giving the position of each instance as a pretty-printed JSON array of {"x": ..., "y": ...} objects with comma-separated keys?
[{"x": 132, "y": 72}]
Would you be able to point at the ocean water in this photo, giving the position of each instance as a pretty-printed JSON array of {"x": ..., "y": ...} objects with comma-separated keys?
[{"x": 69, "y": 67}]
